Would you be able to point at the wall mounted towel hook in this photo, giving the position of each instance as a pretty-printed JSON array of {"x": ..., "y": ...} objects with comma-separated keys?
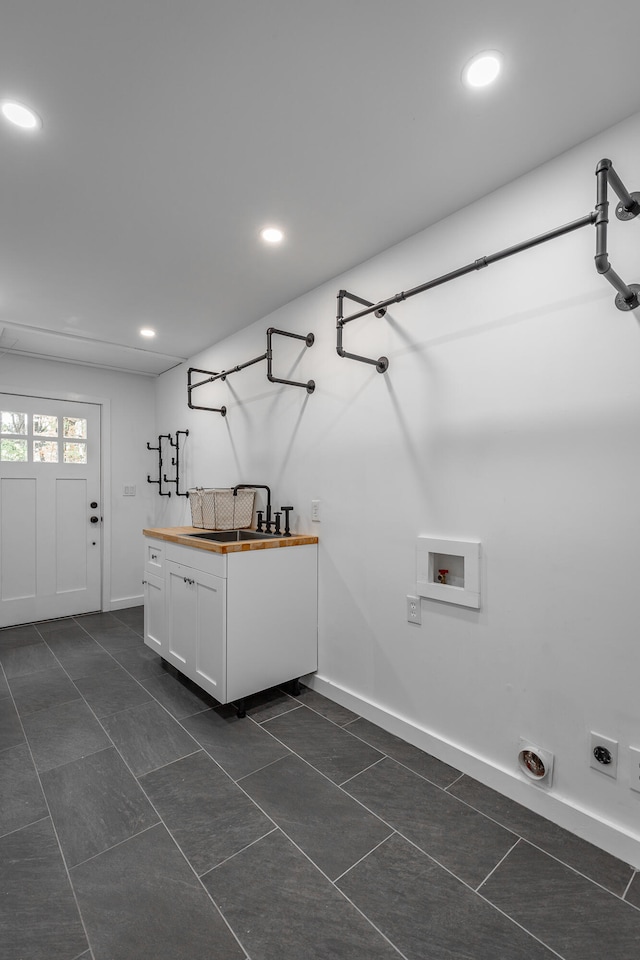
[{"x": 159, "y": 481}]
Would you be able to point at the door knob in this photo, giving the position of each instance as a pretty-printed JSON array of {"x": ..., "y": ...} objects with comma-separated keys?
[
  {"x": 93, "y": 504},
  {"x": 93, "y": 519}
]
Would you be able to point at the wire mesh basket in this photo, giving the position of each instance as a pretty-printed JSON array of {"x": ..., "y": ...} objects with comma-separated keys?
[{"x": 218, "y": 509}]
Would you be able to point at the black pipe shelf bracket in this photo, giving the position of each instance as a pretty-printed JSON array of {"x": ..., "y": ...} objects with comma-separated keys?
[
  {"x": 161, "y": 437},
  {"x": 628, "y": 295},
  {"x": 175, "y": 462},
  {"x": 212, "y": 376}
]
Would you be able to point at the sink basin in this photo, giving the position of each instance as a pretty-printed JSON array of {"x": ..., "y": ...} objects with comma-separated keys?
[{"x": 231, "y": 536}]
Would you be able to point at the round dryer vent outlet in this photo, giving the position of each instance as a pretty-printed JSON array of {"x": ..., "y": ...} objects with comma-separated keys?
[{"x": 535, "y": 763}]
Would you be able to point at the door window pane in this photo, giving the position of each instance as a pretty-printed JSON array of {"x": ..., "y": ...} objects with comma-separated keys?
[
  {"x": 44, "y": 425},
  {"x": 75, "y": 427},
  {"x": 13, "y": 422},
  {"x": 45, "y": 451},
  {"x": 15, "y": 450},
  {"x": 75, "y": 453}
]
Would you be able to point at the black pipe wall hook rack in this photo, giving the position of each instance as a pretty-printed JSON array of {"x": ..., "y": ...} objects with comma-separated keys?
[
  {"x": 211, "y": 375},
  {"x": 175, "y": 462},
  {"x": 161, "y": 437},
  {"x": 628, "y": 295}
]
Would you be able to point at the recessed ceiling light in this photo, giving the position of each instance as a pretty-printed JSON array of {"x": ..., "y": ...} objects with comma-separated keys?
[
  {"x": 147, "y": 332},
  {"x": 482, "y": 69},
  {"x": 272, "y": 235},
  {"x": 20, "y": 115}
]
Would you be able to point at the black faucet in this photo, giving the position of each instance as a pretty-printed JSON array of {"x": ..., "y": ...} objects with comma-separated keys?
[{"x": 258, "y": 486}]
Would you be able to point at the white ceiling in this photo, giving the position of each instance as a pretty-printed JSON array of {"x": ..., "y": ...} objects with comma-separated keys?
[{"x": 173, "y": 131}]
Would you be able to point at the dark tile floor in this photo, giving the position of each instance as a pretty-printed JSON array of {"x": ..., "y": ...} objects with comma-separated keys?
[{"x": 139, "y": 819}]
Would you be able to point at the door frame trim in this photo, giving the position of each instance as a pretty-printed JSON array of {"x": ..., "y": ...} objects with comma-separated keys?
[{"x": 105, "y": 470}]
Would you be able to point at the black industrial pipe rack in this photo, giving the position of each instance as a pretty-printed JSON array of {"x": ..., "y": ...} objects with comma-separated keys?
[
  {"x": 628, "y": 294},
  {"x": 268, "y": 356},
  {"x": 161, "y": 437},
  {"x": 175, "y": 462}
]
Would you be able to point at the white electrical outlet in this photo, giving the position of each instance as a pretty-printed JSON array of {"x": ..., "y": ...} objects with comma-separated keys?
[
  {"x": 315, "y": 511},
  {"x": 414, "y": 611},
  {"x": 634, "y": 768},
  {"x": 129, "y": 490},
  {"x": 603, "y": 754}
]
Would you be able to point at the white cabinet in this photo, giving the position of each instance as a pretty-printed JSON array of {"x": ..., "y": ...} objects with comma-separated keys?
[{"x": 233, "y": 623}]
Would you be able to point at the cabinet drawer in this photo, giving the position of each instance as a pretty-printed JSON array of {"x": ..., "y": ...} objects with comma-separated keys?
[
  {"x": 154, "y": 557},
  {"x": 205, "y": 560}
]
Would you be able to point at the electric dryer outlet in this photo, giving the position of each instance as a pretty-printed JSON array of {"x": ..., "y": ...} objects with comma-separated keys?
[{"x": 603, "y": 754}]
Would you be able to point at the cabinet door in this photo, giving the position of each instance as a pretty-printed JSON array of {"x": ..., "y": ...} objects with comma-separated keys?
[
  {"x": 211, "y": 635},
  {"x": 154, "y": 614},
  {"x": 196, "y": 626},
  {"x": 181, "y": 616}
]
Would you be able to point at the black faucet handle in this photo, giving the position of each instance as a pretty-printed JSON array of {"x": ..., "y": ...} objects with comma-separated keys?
[
  {"x": 286, "y": 511},
  {"x": 259, "y": 524},
  {"x": 276, "y": 528}
]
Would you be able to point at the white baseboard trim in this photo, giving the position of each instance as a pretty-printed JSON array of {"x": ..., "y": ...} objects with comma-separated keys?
[
  {"x": 124, "y": 602},
  {"x": 586, "y": 824}
]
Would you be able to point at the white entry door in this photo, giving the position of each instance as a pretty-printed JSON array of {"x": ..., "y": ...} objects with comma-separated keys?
[{"x": 50, "y": 509}]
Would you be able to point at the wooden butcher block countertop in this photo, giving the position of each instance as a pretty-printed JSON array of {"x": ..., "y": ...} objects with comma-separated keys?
[{"x": 180, "y": 535}]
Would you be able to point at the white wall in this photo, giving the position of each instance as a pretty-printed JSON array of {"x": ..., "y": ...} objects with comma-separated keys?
[
  {"x": 510, "y": 414},
  {"x": 128, "y": 417}
]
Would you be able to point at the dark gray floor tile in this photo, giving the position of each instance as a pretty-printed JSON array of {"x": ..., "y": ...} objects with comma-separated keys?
[
  {"x": 579, "y": 854},
  {"x": 572, "y": 915},
  {"x": 327, "y": 708},
  {"x": 19, "y": 636},
  {"x": 269, "y": 703},
  {"x": 178, "y": 695},
  {"x": 88, "y": 663},
  {"x": 141, "y": 899},
  {"x": 10, "y": 727},
  {"x": 39, "y": 691},
  {"x": 50, "y": 627},
  {"x": 95, "y": 803},
  {"x": 4, "y": 686},
  {"x": 30, "y": 658},
  {"x": 147, "y": 737},
  {"x": 238, "y": 744},
  {"x": 112, "y": 692},
  {"x": 63, "y": 733},
  {"x": 133, "y": 617},
  {"x": 141, "y": 662},
  {"x": 93, "y": 622},
  {"x": 324, "y": 745},
  {"x": 633, "y": 893},
  {"x": 21, "y": 799},
  {"x": 40, "y": 917},
  {"x": 208, "y": 815},
  {"x": 417, "y": 760},
  {"x": 63, "y": 646},
  {"x": 427, "y": 913},
  {"x": 282, "y": 908},
  {"x": 121, "y": 638},
  {"x": 458, "y": 837},
  {"x": 331, "y": 828},
  {"x": 61, "y": 632}
]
